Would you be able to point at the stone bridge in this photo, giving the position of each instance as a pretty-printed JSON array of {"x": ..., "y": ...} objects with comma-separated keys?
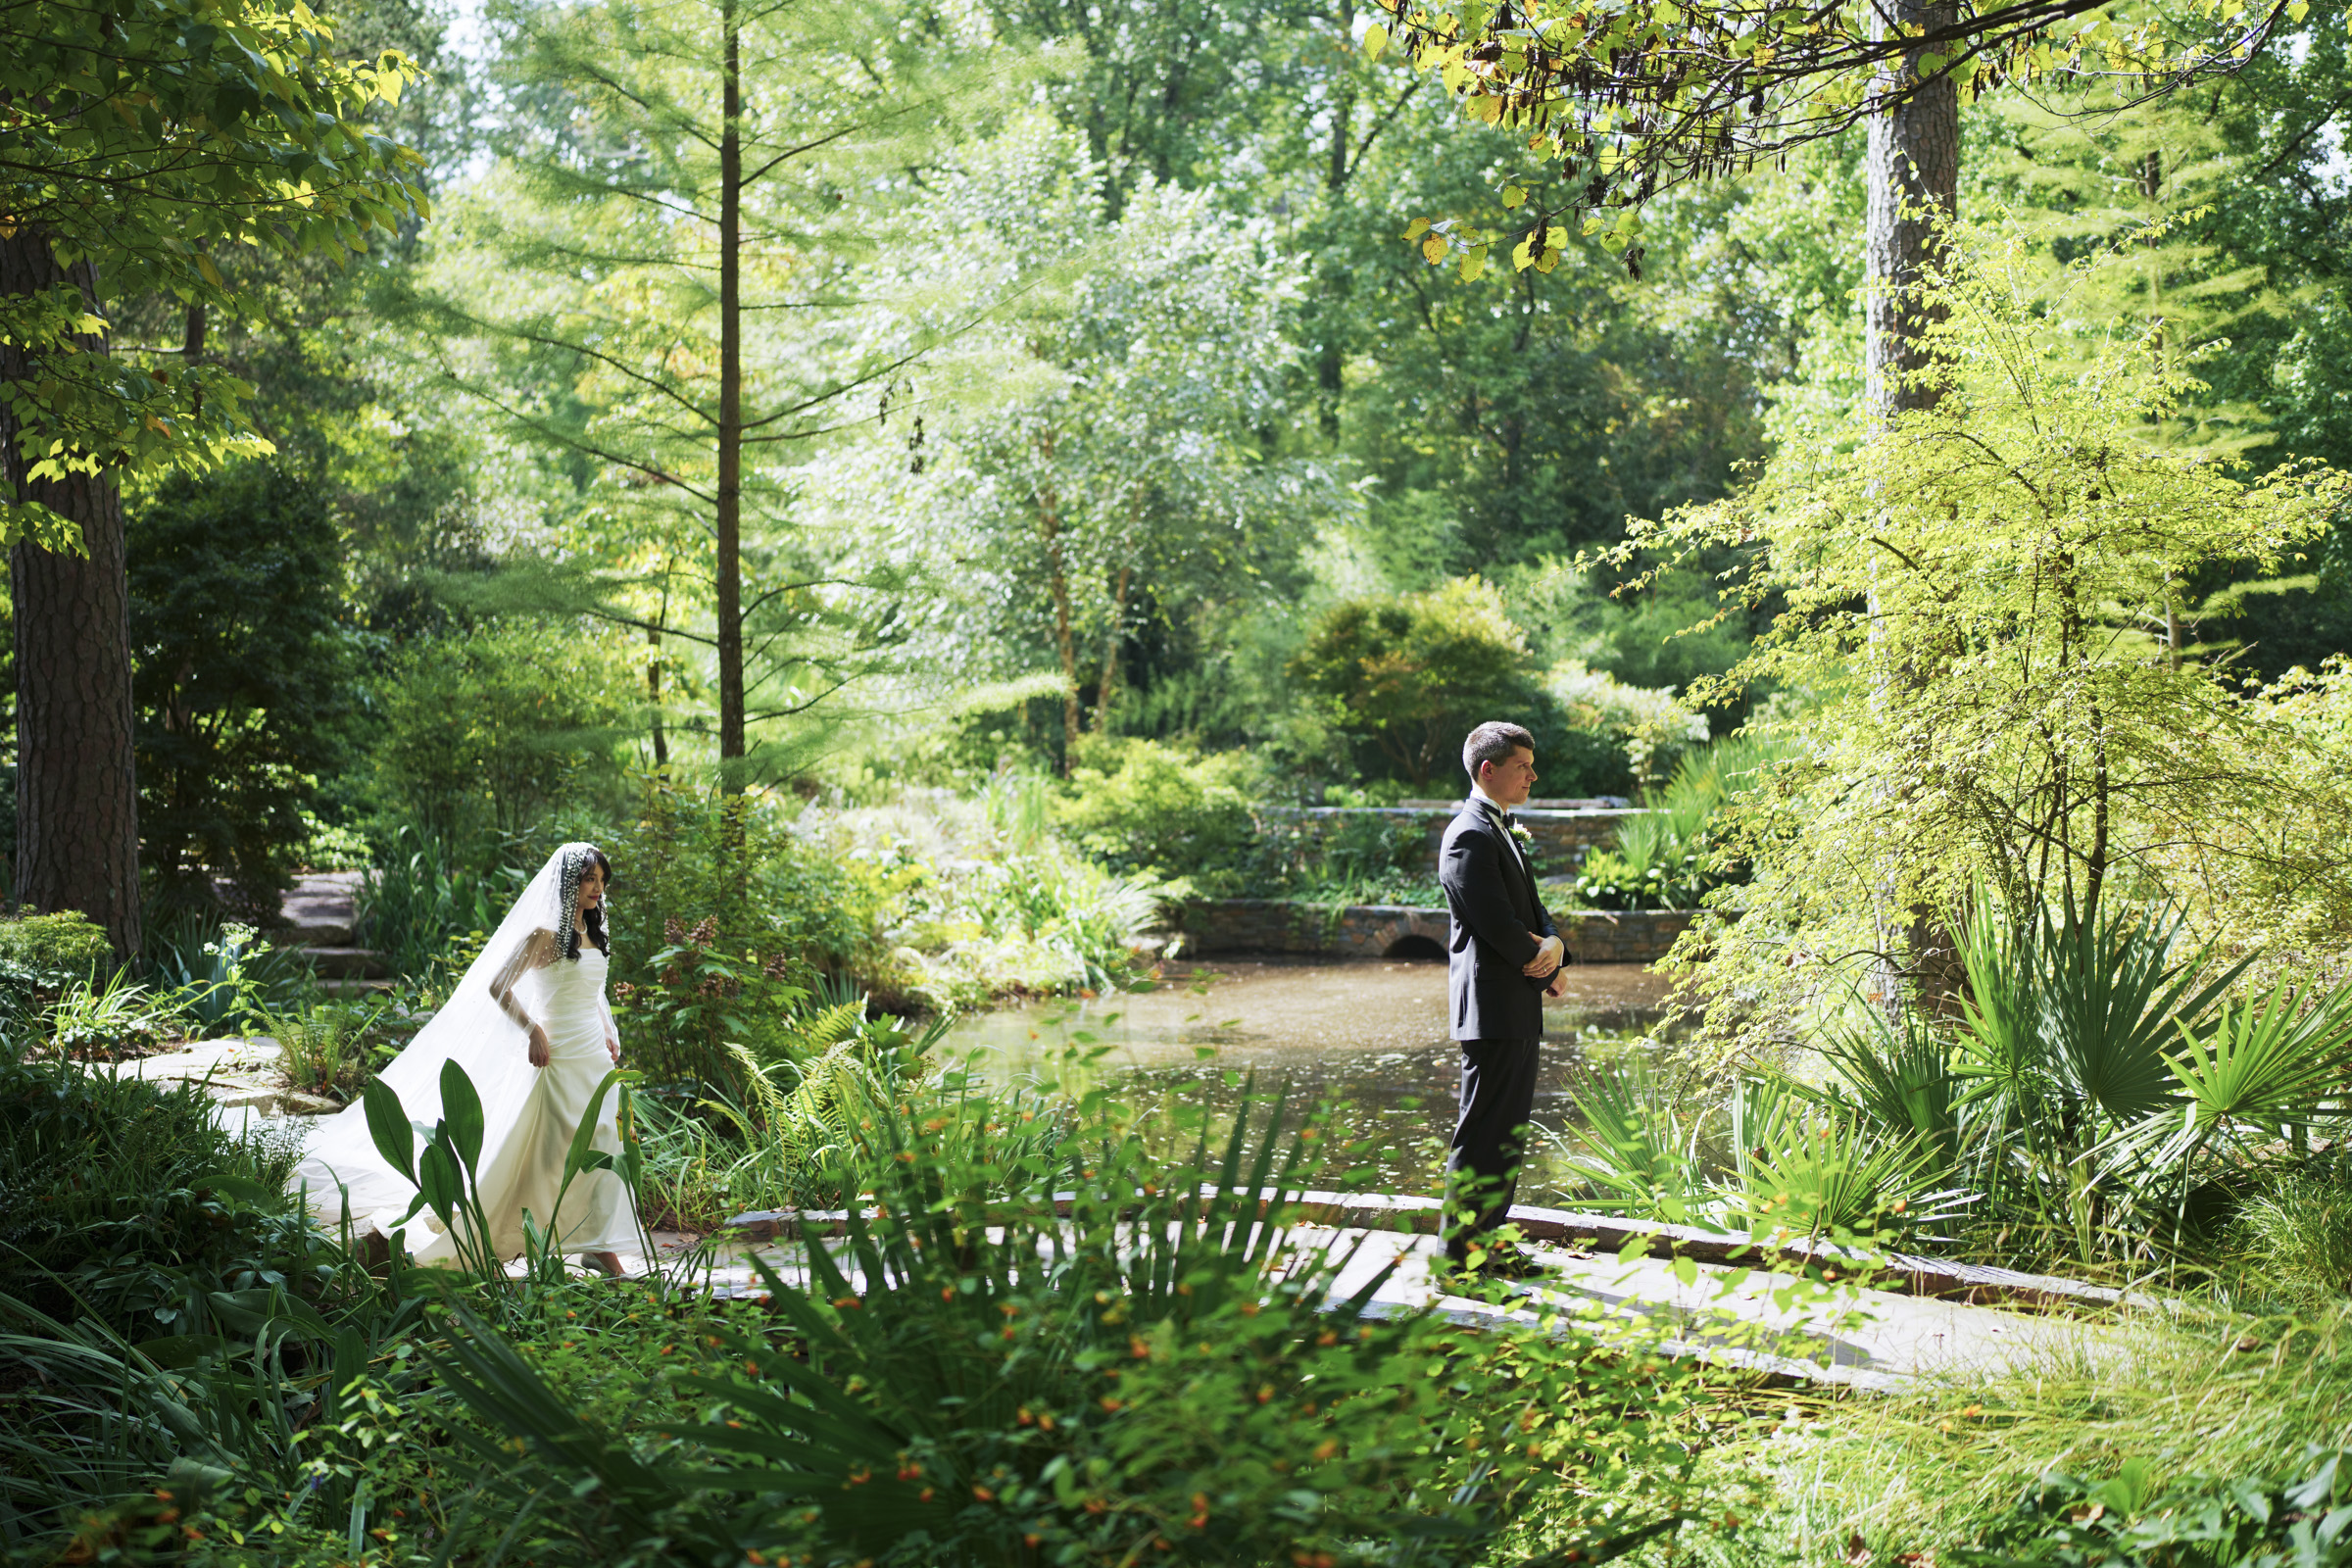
[{"x": 1400, "y": 931}]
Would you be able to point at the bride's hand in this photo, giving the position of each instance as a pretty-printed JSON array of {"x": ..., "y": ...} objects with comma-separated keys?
[
  {"x": 612, "y": 1049},
  {"x": 541, "y": 1052}
]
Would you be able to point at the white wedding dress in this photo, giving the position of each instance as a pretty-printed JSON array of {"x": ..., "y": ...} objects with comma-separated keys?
[{"x": 529, "y": 1114}]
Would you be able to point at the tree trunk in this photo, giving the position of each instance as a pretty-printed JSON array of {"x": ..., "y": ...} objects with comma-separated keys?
[
  {"x": 653, "y": 698},
  {"x": 1107, "y": 689},
  {"x": 1914, "y": 169},
  {"x": 728, "y": 575},
  {"x": 77, "y": 803},
  {"x": 1329, "y": 377},
  {"x": 1057, "y": 583},
  {"x": 1914, "y": 179}
]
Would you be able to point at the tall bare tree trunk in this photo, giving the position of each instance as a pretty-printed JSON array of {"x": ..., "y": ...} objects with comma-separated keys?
[
  {"x": 77, "y": 803},
  {"x": 1914, "y": 172},
  {"x": 1329, "y": 377},
  {"x": 729, "y": 567},
  {"x": 1914, "y": 179}
]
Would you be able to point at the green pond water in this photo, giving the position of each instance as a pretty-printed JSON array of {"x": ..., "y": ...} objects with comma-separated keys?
[{"x": 1370, "y": 1035}]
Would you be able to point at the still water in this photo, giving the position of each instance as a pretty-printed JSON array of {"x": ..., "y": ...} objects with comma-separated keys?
[{"x": 1371, "y": 1035}]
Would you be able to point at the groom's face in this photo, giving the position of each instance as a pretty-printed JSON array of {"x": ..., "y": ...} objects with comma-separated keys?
[{"x": 1510, "y": 781}]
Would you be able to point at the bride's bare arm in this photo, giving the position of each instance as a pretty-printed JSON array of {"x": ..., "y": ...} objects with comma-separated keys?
[{"x": 536, "y": 952}]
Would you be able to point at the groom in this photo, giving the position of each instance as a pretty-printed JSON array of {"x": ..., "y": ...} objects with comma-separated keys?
[{"x": 1504, "y": 958}]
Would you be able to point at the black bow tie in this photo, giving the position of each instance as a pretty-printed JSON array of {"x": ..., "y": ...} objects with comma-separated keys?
[{"x": 1506, "y": 818}]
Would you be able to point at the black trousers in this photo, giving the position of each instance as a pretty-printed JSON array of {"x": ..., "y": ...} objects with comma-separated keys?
[{"x": 1482, "y": 1170}]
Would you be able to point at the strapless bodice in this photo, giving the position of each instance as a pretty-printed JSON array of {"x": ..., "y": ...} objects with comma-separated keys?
[{"x": 572, "y": 993}]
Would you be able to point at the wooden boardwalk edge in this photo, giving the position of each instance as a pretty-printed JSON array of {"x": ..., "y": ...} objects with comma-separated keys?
[{"x": 1908, "y": 1273}]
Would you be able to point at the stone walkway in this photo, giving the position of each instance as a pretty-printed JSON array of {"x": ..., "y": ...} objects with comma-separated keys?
[{"x": 1868, "y": 1339}]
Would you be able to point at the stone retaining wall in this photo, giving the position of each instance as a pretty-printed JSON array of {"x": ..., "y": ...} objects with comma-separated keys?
[
  {"x": 1391, "y": 931},
  {"x": 1560, "y": 836}
]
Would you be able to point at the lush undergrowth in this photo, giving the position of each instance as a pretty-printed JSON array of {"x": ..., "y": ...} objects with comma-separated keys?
[{"x": 190, "y": 1374}]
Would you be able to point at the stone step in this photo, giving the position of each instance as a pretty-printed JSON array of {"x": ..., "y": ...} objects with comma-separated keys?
[
  {"x": 346, "y": 963},
  {"x": 345, "y": 989},
  {"x": 320, "y": 908}
]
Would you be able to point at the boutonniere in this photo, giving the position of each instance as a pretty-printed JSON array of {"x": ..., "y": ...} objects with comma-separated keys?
[{"x": 1527, "y": 840}]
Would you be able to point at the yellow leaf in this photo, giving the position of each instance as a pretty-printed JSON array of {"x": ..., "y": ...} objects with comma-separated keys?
[
  {"x": 2297, "y": 9},
  {"x": 1514, "y": 195},
  {"x": 1474, "y": 264},
  {"x": 212, "y": 274},
  {"x": 1433, "y": 249},
  {"x": 1416, "y": 228},
  {"x": 1485, "y": 109},
  {"x": 1376, "y": 41}
]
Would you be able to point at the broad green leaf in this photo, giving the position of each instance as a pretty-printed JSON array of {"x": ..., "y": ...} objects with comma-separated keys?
[
  {"x": 461, "y": 1110},
  {"x": 1376, "y": 41},
  {"x": 388, "y": 1124}
]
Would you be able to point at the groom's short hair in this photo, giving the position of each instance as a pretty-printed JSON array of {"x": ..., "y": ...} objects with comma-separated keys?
[{"x": 1493, "y": 741}]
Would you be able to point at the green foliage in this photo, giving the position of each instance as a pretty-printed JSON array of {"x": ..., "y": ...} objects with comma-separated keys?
[
  {"x": 967, "y": 1378},
  {"x": 420, "y": 902},
  {"x": 1798, "y": 1163},
  {"x": 1409, "y": 677},
  {"x": 486, "y": 732},
  {"x": 2129, "y": 1520},
  {"x": 334, "y": 1048},
  {"x": 129, "y": 1203},
  {"x": 1671, "y": 856},
  {"x": 704, "y": 1007},
  {"x": 40, "y": 956},
  {"x": 1350, "y": 858},
  {"x": 90, "y": 1021},
  {"x": 2296, "y": 1235},
  {"x": 151, "y": 138},
  {"x": 1968, "y": 595},
  {"x": 1148, "y": 808},
  {"x": 243, "y": 679}
]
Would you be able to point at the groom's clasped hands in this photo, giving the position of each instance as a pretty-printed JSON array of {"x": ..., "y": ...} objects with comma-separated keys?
[{"x": 1550, "y": 952}]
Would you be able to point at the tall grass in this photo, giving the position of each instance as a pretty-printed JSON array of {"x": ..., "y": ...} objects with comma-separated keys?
[{"x": 1943, "y": 1467}]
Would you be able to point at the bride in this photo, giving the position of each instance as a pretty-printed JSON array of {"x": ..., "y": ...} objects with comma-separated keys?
[{"x": 531, "y": 1026}]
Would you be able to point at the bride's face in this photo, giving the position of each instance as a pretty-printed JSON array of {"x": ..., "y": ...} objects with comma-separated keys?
[{"x": 592, "y": 888}]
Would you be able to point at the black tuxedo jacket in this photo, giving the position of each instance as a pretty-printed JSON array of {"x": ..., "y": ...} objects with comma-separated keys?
[{"x": 1491, "y": 897}]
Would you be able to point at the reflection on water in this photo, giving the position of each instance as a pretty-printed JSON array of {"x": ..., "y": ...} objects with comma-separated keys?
[{"x": 1371, "y": 1034}]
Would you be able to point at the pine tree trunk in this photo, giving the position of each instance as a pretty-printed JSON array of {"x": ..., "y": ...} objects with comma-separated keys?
[
  {"x": 78, "y": 809},
  {"x": 728, "y": 571}
]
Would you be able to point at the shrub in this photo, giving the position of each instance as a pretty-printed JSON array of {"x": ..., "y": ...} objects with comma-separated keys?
[
  {"x": 242, "y": 678},
  {"x": 1409, "y": 677},
  {"x": 40, "y": 956},
  {"x": 1647, "y": 730},
  {"x": 1146, "y": 807},
  {"x": 485, "y": 732},
  {"x": 126, "y": 1200},
  {"x": 420, "y": 904}
]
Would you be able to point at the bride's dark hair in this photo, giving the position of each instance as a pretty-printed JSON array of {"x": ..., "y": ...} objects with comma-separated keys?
[{"x": 593, "y": 919}]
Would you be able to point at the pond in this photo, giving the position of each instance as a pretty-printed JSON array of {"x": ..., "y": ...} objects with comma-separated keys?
[{"x": 1369, "y": 1034}]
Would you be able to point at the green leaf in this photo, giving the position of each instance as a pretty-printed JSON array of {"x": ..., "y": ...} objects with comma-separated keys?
[
  {"x": 462, "y": 1114},
  {"x": 1514, "y": 195},
  {"x": 388, "y": 1126},
  {"x": 1376, "y": 41},
  {"x": 439, "y": 1179}
]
